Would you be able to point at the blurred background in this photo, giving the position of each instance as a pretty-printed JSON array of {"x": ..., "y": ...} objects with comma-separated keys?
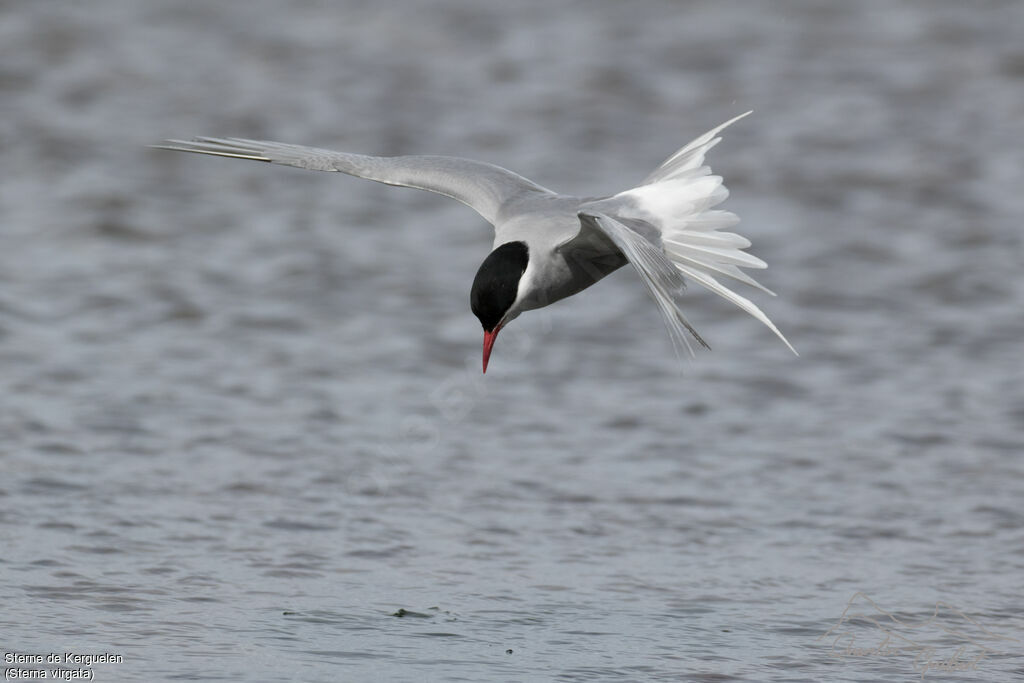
[{"x": 241, "y": 416}]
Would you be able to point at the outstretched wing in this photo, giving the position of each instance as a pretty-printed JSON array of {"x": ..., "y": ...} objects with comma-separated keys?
[{"x": 481, "y": 186}]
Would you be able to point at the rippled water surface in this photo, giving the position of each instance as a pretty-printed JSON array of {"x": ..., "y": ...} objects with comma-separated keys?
[{"x": 243, "y": 433}]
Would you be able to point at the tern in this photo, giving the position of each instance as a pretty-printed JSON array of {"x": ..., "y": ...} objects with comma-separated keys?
[{"x": 548, "y": 246}]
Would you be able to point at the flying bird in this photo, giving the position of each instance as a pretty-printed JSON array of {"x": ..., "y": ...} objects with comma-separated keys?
[{"x": 548, "y": 246}]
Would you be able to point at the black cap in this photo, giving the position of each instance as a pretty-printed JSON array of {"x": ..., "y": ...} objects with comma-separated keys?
[{"x": 496, "y": 283}]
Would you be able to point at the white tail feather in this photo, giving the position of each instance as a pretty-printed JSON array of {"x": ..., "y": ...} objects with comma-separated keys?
[
  {"x": 744, "y": 303},
  {"x": 691, "y": 156},
  {"x": 678, "y": 199}
]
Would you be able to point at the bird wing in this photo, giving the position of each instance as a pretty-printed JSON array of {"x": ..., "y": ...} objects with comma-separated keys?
[
  {"x": 481, "y": 186},
  {"x": 661, "y": 278}
]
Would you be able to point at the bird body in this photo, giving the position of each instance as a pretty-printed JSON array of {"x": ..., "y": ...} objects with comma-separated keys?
[
  {"x": 549, "y": 246},
  {"x": 543, "y": 224}
]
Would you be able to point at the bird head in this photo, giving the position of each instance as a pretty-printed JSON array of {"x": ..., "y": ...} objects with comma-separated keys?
[{"x": 496, "y": 288}]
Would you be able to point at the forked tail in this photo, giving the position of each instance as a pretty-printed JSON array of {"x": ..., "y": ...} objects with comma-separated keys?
[{"x": 678, "y": 199}]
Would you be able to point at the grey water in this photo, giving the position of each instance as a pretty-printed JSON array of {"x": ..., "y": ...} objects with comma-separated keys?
[{"x": 243, "y": 431}]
